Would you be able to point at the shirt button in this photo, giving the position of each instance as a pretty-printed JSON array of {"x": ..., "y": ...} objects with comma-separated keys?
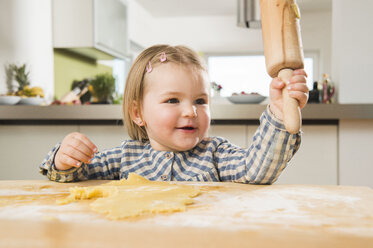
[
  {"x": 168, "y": 155},
  {"x": 164, "y": 177}
]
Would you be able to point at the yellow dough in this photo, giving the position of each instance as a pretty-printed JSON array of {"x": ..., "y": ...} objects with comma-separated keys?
[{"x": 134, "y": 197}]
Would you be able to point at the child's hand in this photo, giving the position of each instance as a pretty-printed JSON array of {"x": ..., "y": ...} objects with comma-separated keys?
[
  {"x": 298, "y": 90},
  {"x": 75, "y": 149}
]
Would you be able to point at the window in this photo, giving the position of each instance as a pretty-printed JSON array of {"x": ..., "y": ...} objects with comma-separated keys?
[
  {"x": 120, "y": 68},
  {"x": 248, "y": 73}
]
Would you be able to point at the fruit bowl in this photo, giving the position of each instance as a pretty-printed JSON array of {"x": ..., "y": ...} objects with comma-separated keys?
[
  {"x": 9, "y": 100},
  {"x": 31, "y": 101},
  {"x": 246, "y": 99}
]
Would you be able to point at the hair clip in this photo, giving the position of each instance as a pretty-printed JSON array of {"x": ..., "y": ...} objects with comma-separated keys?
[
  {"x": 149, "y": 67},
  {"x": 163, "y": 57}
]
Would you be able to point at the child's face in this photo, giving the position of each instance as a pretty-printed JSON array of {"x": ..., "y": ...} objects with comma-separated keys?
[{"x": 175, "y": 107}]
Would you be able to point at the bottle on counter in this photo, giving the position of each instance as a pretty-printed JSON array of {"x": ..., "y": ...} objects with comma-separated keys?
[
  {"x": 314, "y": 95},
  {"x": 74, "y": 95},
  {"x": 328, "y": 89}
]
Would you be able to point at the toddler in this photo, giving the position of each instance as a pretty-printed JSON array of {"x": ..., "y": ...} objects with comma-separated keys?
[{"x": 167, "y": 115}]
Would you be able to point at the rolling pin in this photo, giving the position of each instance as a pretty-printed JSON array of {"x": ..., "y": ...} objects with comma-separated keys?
[{"x": 283, "y": 51}]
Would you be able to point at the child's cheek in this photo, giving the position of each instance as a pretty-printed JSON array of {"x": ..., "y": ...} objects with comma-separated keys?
[{"x": 166, "y": 117}]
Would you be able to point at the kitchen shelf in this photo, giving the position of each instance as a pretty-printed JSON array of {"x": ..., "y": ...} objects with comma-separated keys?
[{"x": 223, "y": 113}]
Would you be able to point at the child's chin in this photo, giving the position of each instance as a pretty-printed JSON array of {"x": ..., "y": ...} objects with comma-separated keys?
[{"x": 185, "y": 147}]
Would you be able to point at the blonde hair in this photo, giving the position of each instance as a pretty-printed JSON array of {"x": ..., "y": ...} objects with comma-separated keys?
[{"x": 134, "y": 88}]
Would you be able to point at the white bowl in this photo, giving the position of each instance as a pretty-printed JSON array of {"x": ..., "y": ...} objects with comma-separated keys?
[
  {"x": 9, "y": 100},
  {"x": 31, "y": 101},
  {"x": 242, "y": 99}
]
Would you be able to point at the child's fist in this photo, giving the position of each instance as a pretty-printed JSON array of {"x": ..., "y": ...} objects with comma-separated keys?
[
  {"x": 75, "y": 149},
  {"x": 297, "y": 88}
]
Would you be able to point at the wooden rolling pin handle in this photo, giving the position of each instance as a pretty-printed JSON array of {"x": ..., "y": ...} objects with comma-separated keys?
[{"x": 291, "y": 110}]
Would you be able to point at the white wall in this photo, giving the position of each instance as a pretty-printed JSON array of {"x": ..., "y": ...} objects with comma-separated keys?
[
  {"x": 352, "y": 50},
  {"x": 209, "y": 34},
  {"x": 220, "y": 34},
  {"x": 26, "y": 37},
  {"x": 317, "y": 36}
]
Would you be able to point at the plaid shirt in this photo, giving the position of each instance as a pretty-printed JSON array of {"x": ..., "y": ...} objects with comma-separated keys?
[{"x": 213, "y": 159}]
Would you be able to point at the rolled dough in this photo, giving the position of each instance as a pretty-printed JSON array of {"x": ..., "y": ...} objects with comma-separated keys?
[{"x": 133, "y": 197}]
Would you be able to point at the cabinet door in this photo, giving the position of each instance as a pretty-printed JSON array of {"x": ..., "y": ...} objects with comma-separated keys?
[
  {"x": 105, "y": 137},
  {"x": 251, "y": 129},
  {"x": 110, "y": 26},
  {"x": 316, "y": 160},
  {"x": 72, "y": 23},
  {"x": 236, "y": 134},
  {"x": 23, "y": 148},
  {"x": 94, "y": 28},
  {"x": 355, "y": 152}
]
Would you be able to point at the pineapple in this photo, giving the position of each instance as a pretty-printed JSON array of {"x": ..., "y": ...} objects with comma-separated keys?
[
  {"x": 21, "y": 77},
  {"x": 9, "y": 72}
]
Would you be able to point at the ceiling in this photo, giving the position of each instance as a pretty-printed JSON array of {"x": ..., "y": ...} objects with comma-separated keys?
[{"x": 165, "y": 8}]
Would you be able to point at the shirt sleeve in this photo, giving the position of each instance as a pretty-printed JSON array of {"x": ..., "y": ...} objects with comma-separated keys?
[
  {"x": 271, "y": 149},
  {"x": 104, "y": 166}
]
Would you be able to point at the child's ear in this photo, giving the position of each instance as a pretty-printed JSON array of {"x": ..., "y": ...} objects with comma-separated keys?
[{"x": 135, "y": 114}]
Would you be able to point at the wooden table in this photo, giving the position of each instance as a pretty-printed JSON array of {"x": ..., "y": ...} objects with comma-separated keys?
[{"x": 224, "y": 215}]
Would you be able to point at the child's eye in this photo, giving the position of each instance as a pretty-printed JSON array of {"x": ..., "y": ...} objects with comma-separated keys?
[
  {"x": 172, "y": 100},
  {"x": 200, "y": 101}
]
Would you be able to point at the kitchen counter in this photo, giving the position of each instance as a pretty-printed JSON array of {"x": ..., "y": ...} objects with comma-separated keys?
[
  {"x": 219, "y": 113},
  {"x": 224, "y": 215}
]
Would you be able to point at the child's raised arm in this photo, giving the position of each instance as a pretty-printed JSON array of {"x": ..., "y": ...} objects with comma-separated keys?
[{"x": 75, "y": 149}]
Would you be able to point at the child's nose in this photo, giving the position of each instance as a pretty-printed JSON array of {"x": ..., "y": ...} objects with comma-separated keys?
[{"x": 190, "y": 111}]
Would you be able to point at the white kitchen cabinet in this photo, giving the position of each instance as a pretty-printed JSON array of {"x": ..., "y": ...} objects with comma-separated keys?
[
  {"x": 105, "y": 137},
  {"x": 24, "y": 147},
  {"x": 250, "y": 130},
  {"x": 94, "y": 28},
  {"x": 316, "y": 161},
  {"x": 356, "y": 152}
]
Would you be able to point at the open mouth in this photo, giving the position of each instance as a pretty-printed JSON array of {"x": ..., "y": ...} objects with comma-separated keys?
[{"x": 186, "y": 128}]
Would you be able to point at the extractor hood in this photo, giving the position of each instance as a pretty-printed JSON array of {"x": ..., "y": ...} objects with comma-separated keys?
[{"x": 248, "y": 14}]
